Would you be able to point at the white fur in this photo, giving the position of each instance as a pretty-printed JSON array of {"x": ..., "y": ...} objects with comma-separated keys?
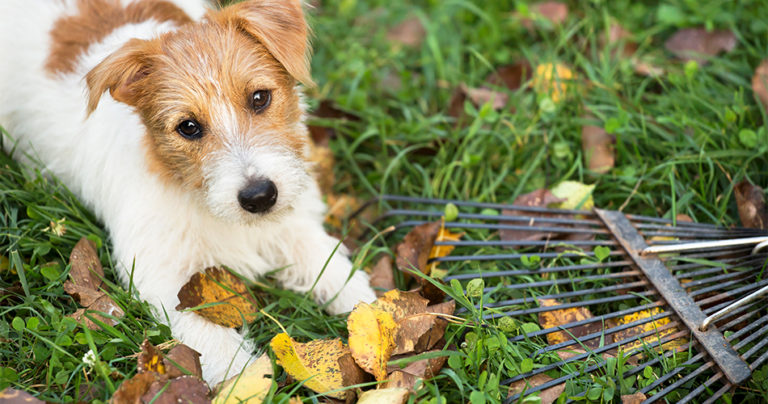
[{"x": 166, "y": 232}]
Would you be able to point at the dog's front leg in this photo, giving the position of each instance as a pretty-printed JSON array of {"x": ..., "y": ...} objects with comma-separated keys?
[
  {"x": 334, "y": 281},
  {"x": 224, "y": 352}
]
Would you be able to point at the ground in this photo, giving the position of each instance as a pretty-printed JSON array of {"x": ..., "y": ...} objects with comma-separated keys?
[{"x": 683, "y": 139}]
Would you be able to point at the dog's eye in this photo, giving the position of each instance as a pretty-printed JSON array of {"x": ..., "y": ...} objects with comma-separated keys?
[
  {"x": 261, "y": 99},
  {"x": 190, "y": 129}
]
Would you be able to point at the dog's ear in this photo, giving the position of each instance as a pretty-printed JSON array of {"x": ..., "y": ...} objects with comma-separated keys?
[
  {"x": 119, "y": 73},
  {"x": 280, "y": 26}
]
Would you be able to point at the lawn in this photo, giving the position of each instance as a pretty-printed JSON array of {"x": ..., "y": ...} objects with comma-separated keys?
[{"x": 684, "y": 137}]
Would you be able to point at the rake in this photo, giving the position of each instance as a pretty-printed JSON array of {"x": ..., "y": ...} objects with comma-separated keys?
[{"x": 696, "y": 289}]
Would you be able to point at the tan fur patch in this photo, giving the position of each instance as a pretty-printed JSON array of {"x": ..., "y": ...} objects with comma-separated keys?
[{"x": 72, "y": 35}]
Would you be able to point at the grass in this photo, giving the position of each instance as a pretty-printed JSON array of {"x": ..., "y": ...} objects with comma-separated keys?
[{"x": 678, "y": 150}]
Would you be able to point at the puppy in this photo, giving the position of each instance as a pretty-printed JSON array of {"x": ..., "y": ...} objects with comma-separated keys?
[{"x": 182, "y": 129}]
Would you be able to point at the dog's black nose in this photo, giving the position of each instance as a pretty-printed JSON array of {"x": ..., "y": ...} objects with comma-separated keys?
[{"x": 258, "y": 196}]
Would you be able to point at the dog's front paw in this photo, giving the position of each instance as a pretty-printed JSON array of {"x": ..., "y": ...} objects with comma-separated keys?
[{"x": 355, "y": 291}]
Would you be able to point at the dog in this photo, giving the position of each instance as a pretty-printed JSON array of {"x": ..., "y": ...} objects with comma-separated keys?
[{"x": 181, "y": 127}]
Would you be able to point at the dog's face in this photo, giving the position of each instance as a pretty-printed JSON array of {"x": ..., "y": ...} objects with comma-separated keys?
[{"x": 219, "y": 100}]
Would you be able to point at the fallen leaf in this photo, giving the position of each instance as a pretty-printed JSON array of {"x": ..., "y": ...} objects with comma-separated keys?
[
  {"x": 598, "y": 148},
  {"x": 316, "y": 363},
  {"x": 539, "y": 198},
  {"x": 252, "y": 385},
  {"x": 682, "y": 217},
  {"x": 577, "y": 196},
  {"x": 435, "y": 334},
  {"x": 557, "y": 318},
  {"x": 400, "y": 379},
  {"x": 698, "y": 44},
  {"x": 229, "y": 299},
  {"x": 150, "y": 359},
  {"x": 184, "y": 389},
  {"x": 424, "y": 368},
  {"x": 636, "y": 398},
  {"x": 131, "y": 390},
  {"x": 103, "y": 304},
  {"x": 182, "y": 360},
  {"x": 429, "y": 291},
  {"x": 646, "y": 68},
  {"x": 351, "y": 373},
  {"x": 414, "y": 251},
  {"x": 617, "y": 35},
  {"x": 750, "y": 201},
  {"x": 340, "y": 206},
  {"x": 382, "y": 277},
  {"x": 12, "y": 396},
  {"x": 642, "y": 328},
  {"x": 401, "y": 304},
  {"x": 396, "y": 395},
  {"x": 547, "y": 396},
  {"x": 439, "y": 251},
  {"x": 86, "y": 276},
  {"x": 553, "y": 11},
  {"x": 410, "y": 32},
  {"x": 511, "y": 76},
  {"x": 371, "y": 338},
  {"x": 478, "y": 96},
  {"x": 321, "y": 135},
  {"x": 553, "y": 80},
  {"x": 760, "y": 83},
  {"x": 86, "y": 270}
]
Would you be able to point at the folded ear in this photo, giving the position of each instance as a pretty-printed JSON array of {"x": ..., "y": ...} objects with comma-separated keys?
[
  {"x": 120, "y": 73},
  {"x": 280, "y": 26}
]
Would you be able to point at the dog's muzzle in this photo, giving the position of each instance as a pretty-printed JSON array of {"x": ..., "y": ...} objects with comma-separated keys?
[{"x": 258, "y": 195}]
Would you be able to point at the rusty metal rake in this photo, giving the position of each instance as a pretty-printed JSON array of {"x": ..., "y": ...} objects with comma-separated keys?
[{"x": 700, "y": 287}]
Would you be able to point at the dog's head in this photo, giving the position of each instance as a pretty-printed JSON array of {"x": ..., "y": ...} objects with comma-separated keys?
[{"x": 220, "y": 102}]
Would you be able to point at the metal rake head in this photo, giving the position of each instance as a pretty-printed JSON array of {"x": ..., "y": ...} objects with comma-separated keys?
[{"x": 655, "y": 290}]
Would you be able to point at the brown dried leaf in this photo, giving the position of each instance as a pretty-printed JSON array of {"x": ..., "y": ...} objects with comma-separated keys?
[
  {"x": 217, "y": 285},
  {"x": 478, "y": 96},
  {"x": 323, "y": 162},
  {"x": 555, "y": 318},
  {"x": 104, "y": 304},
  {"x": 182, "y": 360},
  {"x": 760, "y": 83},
  {"x": 184, "y": 389},
  {"x": 150, "y": 359},
  {"x": 12, "y": 396},
  {"x": 636, "y": 398},
  {"x": 315, "y": 362},
  {"x": 321, "y": 135},
  {"x": 86, "y": 271},
  {"x": 401, "y": 304},
  {"x": 410, "y": 32},
  {"x": 410, "y": 330},
  {"x": 382, "y": 277},
  {"x": 84, "y": 295},
  {"x": 511, "y": 76},
  {"x": 682, "y": 217},
  {"x": 598, "y": 148},
  {"x": 414, "y": 251},
  {"x": 131, "y": 390},
  {"x": 698, "y": 44},
  {"x": 547, "y": 396},
  {"x": 751, "y": 203},
  {"x": 429, "y": 291},
  {"x": 435, "y": 334},
  {"x": 351, "y": 373},
  {"x": 553, "y": 11},
  {"x": 538, "y": 198}
]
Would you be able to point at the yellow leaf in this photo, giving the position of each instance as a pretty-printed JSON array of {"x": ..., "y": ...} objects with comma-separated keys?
[
  {"x": 649, "y": 326},
  {"x": 251, "y": 386},
  {"x": 401, "y": 304},
  {"x": 393, "y": 395},
  {"x": 553, "y": 79},
  {"x": 233, "y": 302},
  {"x": 371, "y": 338},
  {"x": 316, "y": 363},
  {"x": 556, "y": 318},
  {"x": 438, "y": 251},
  {"x": 577, "y": 196}
]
